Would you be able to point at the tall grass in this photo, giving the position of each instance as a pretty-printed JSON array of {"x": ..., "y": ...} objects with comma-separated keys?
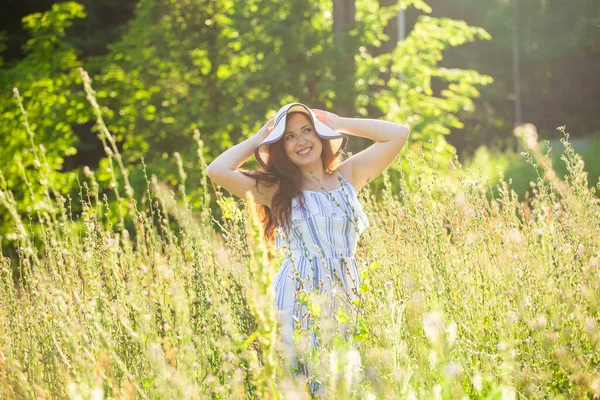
[{"x": 462, "y": 294}]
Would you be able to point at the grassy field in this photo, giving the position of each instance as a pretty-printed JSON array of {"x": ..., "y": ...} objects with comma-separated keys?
[{"x": 463, "y": 295}]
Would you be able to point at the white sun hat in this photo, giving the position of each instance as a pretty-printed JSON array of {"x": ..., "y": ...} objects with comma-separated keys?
[{"x": 338, "y": 141}]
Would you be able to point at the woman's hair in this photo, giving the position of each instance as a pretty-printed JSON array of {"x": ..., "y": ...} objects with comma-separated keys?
[{"x": 281, "y": 170}]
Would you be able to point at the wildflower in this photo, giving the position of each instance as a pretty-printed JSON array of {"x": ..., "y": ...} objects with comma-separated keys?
[
  {"x": 528, "y": 133},
  {"x": 452, "y": 332},
  {"x": 437, "y": 391},
  {"x": 388, "y": 284},
  {"x": 433, "y": 325},
  {"x": 508, "y": 393},
  {"x": 550, "y": 175},
  {"x": 512, "y": 317},
  {"x": 73, "y": 391},
  {"x": 477, "y": 381},
  {"x": 539, "y": 232},
  {"x": 352, "y": 367},
  {"x": 433, "y": 358},
  {"x": 590, "y": 325},
  {"x": 452, "y": 370},
  {"x": 513, "y": 236},
  {"x": 97, "y": 393},
  {"x": 540, "y": 321}
]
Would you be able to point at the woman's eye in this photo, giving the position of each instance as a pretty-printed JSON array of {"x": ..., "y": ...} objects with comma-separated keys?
[{"x": 289, "y": 136}]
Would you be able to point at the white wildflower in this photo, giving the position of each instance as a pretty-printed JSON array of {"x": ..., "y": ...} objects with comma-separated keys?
[
  {"x": 452, "y": 370},
  {"x": 477, "y": 381},
  {"x": 97, "y": 393},
  {"x": 540, "y": 321},
  {"x": 73, "y": 392},
  {"x": 590, "y": 325},
  {"x": 514, "y": 236},
  {"x": 452, "y": 333},
  {"x": 437, "y": 392},
  {"x": 433, "y": 358},
  {"x": 352, "y": 368},
  {"x": 433, "y": 325},
  {"x": 508, "y": 393}
]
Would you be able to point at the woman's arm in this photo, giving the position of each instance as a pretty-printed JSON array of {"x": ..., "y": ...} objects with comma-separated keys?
[
  {"x": 369, "y": 163},
  {"x": 224, "y": 169}
]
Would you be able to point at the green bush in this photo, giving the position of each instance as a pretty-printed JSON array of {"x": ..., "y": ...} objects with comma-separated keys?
[{"x": 515, "y": 167}]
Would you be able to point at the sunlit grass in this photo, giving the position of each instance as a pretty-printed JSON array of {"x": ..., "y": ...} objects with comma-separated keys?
[{"x": 462, "y": 294}]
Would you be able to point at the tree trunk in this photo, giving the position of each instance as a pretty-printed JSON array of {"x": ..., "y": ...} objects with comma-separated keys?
[
  {"x": 391, "y": 30},
  {"x": 344, "y": 14},
  {"x": 516, "y": 70}
]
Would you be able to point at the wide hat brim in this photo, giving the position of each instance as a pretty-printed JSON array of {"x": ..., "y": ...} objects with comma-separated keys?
[{"x": 337, "y": 140}]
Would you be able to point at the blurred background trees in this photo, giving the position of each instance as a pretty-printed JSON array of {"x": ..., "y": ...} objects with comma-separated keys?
[{"x": 460, "y": 73}]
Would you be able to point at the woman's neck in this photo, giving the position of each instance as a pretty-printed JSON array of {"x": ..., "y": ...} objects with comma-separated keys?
[{"x": 313, "y": 176}]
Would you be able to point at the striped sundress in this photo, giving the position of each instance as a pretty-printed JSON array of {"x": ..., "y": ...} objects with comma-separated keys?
[{"x": 319, "y": 248}]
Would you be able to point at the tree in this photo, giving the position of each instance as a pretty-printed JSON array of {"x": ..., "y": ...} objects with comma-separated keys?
[
  {"x": 344, "y": 21},
  {"x": 223, "y": 67},
  {"x": 47, "y": 79},
  {"x": 558, "y": 51},
  {"x": 220, "y": 66},
  {"x": 400, "y": 84}
]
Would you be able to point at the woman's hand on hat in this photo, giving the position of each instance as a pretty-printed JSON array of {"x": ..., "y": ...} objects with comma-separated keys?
[
  {"x": 265, "y": 130},
  {"x": 330, "y": 119}
]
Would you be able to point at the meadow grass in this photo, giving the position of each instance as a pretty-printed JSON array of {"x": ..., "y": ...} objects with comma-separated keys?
[{"x": 463, "y": 295}]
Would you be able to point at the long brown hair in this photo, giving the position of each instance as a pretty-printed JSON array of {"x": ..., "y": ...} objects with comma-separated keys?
[{"x": 281, "y": 170}]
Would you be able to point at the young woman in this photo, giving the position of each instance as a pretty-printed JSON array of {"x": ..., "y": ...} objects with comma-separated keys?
[{"x": 308, "y": 202}]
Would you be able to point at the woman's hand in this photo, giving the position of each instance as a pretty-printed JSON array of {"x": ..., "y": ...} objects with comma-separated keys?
[
  {"x": 330, "y": 119},
  {"x": 264, "y": 131}
]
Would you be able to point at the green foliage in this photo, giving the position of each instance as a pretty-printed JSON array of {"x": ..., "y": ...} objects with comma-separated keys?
[
  {"x": 514, "y": 167},
  {"x": 221, "y": 67},
  {"x": 46, "y": 79},
  {"x": 399, "y": 85},
  {"x": 558, "y": 59},
  {"x": 218, "y": 67},
  {"x": 409, "y": 95},
  {"x": 2, "y": 46}
]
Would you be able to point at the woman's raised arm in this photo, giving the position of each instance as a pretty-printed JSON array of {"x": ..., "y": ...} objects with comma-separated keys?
[
  {"x": 369, "y": 163},
  {"x": 224, "y": 169}
]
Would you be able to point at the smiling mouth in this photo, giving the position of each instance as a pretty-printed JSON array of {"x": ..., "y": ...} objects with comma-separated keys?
[{"x": 304, "y": 152}]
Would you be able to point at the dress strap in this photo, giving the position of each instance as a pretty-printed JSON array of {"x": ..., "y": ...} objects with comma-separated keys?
[{"x": 346, "y": 182}]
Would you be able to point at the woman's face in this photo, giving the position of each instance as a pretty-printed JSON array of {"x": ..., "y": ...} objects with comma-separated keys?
[{"x": 301, "y": 142}]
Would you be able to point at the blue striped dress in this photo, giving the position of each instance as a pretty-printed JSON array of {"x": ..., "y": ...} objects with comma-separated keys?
[{"x": 320, "y": 263}]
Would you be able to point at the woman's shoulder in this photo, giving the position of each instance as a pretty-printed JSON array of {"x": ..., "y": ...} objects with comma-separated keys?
[{"x": 346, "y": 171}]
